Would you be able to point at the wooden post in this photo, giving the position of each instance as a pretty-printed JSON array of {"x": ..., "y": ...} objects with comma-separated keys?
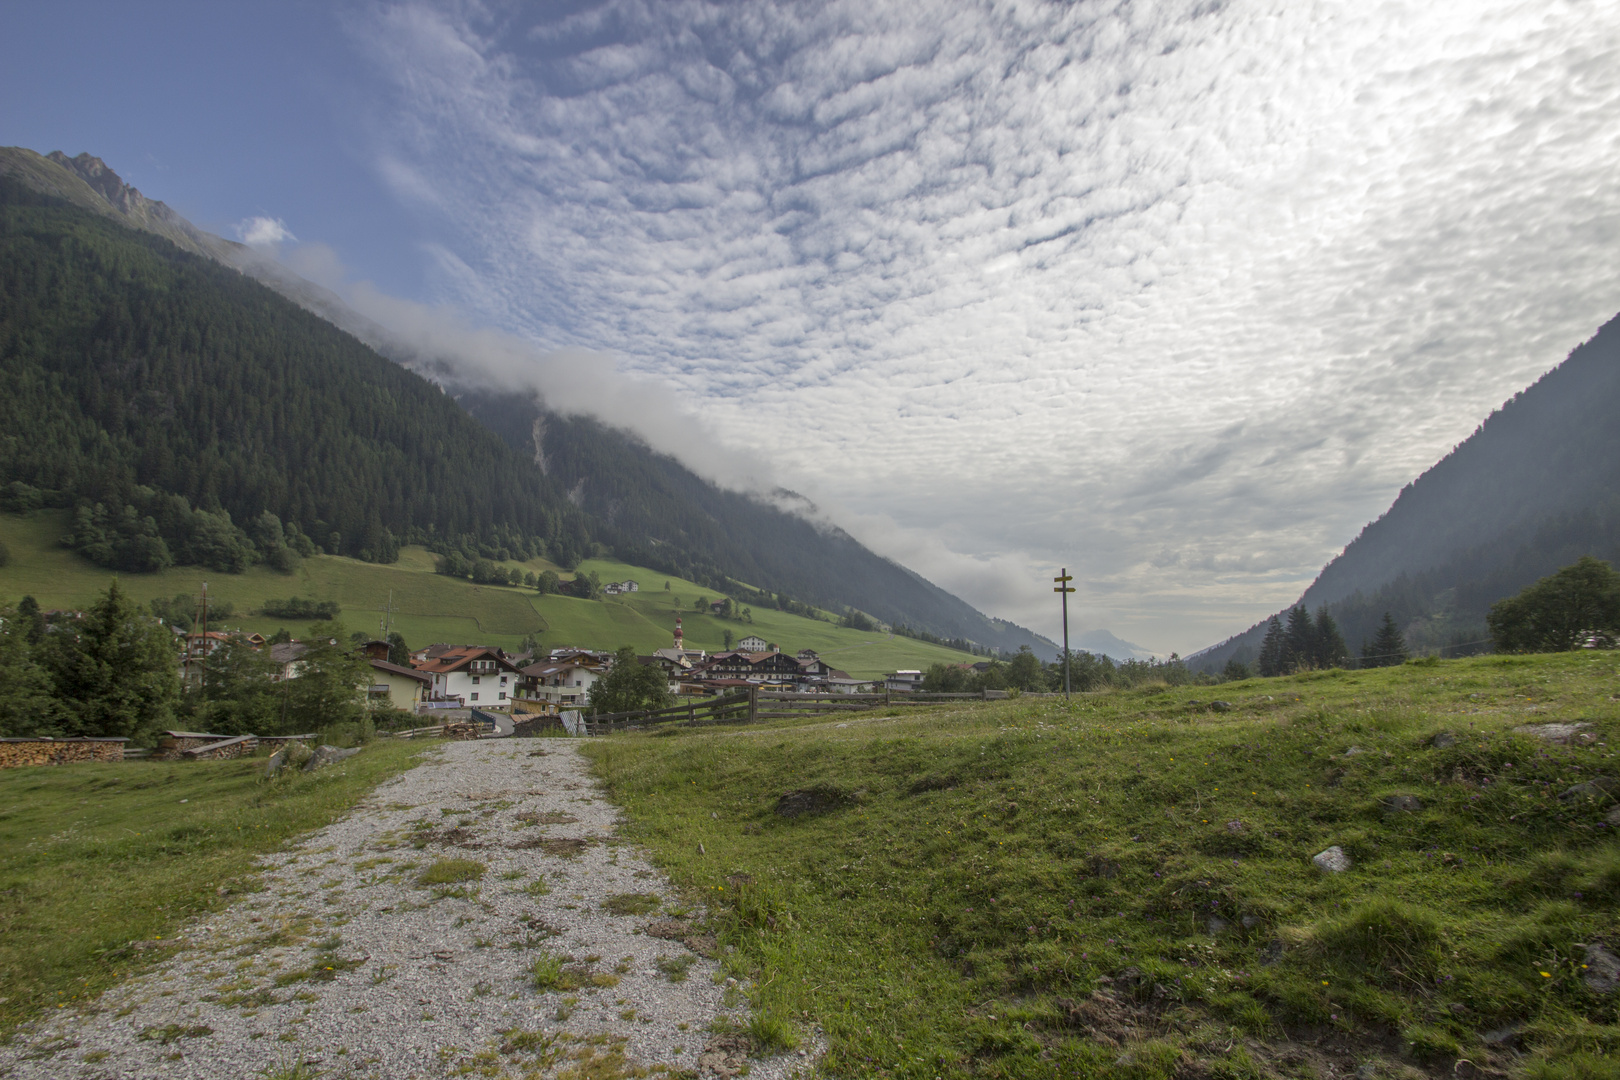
[{"x": 753, "y": 703}]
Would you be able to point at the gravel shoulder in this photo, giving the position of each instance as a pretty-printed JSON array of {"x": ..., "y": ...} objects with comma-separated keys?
[{"x": 348, "y": 962}]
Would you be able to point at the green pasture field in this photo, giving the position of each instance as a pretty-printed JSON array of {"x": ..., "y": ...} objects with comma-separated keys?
[
  {"x": 1122, "y": 885},
  {"x": 429, "y": 607},
  {"x": 100, "y": 862}
]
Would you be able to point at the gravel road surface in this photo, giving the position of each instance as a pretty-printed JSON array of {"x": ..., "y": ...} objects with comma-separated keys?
[{"x": 355, "y": 960}]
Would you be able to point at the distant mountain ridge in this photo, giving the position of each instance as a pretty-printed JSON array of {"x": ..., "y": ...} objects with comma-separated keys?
[
  {"x": 645, "y": 505},
  {"x": 1536, "y": 486}
]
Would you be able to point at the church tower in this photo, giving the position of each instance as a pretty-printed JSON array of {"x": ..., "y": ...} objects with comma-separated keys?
[{"x": 678, "y": 644}]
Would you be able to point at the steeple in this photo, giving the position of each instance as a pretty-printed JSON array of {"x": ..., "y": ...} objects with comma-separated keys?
[{"x": 678, "y": 645}]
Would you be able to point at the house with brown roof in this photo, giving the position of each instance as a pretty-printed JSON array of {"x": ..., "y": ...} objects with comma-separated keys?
[
  {"x": 764, "y": 668},
  {"x": 480, "y": 676}
]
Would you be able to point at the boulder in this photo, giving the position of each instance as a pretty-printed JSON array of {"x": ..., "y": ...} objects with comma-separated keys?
[
  {"x": 277, "y": 760},
  {"x": 1612, "y": 817},
  {"x": 297, "y": 753},
  {"x": 1401, "y": 804},
  {"x": 1221, "y": 706},
  {"x": 1599, "y": 787},
  {"x": 1332, "y": 861},
  {"x": 325, "y": 755},
  {"x": 1443, "y": 740},
  {"x": 1602, "y": 973},
  {"x": 1557, "y": 733}
]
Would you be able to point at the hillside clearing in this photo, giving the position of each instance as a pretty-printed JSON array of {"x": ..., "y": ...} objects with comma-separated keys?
[{"x": 430, "y": 607}]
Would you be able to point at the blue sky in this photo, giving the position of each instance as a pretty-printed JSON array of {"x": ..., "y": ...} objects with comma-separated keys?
[{"x": 1176, "y": 295}]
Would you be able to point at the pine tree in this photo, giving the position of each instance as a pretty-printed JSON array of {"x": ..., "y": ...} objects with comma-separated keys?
[
  {"x": 1270, "y": 663},
  {"x": 1387, "y": 648},
  {"x": 1330, "y": 651},
  {"x": 118, "y": 674},
  {"x": 1299, "y": 646}
]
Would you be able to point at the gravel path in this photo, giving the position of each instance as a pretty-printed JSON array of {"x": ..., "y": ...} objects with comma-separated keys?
[{"x": 349, "y": 962}]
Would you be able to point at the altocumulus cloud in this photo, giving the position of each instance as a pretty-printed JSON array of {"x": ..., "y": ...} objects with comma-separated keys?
[{"x": 1178, "y": 294}]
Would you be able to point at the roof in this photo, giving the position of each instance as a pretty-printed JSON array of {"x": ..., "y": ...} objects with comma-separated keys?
[
  {"x": 287, "y": 651},
  {"x": 552, "y": 667},
  {"x": 383, "y": 665},
  {"x": 460, "y": 658}
]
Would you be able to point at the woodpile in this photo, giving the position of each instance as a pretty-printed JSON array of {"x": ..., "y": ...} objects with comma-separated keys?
[
  {"x": 241, "y": 746},
  {"x": 19, "y": 753},
  {"x": 463, "y": 731},
  {"x": 174, "y": 744}
]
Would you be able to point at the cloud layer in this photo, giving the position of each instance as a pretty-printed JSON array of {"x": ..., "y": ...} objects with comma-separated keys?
[{"x": 1175, "y": 294}]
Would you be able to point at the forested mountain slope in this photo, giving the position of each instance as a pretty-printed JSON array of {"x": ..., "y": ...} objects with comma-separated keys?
[
  {"x": 137, "y": 372},
  {"x": 1534, "y": 488},
  {"x": 145, "y": 373},
  {"x": 656, "y": 512}
]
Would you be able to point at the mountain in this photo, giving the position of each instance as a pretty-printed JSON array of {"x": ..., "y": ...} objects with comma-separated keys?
[
  {"x": 195, "y": 380},
  {"x": 1536, "y": 486},
  {"x": 1104, "y": 643}
]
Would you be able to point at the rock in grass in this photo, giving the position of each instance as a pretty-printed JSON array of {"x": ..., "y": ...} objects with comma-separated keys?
[
  {"x": 277, "y": 760},
  {"x": 326, "y": 755},
  {"x": 1598, "y": 787},
  {"x": 1401, "y": 804},
  {"x": 1602, "y": 973},
  {"x": 1221, "y": 706},
  {"x": 1332, "y": 861},
  {"x": 1555, "y": 733},
  {"x": 1612, "y": 817},
  {"x": 1443, "y": 740},
  {"x": 821, "y": 799}
]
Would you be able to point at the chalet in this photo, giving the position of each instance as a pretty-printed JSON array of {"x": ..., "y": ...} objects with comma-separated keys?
[
  {"x": 770, "y": 668},
  {"x": 753, "y": 643},
  {"x": 813, "y": 667},
  {"x": 288, "y": 657},
  {"x": 563, "y": 680},
  {"x": 674, "y": 666},
  {"x": 903, "y": 681},
  {"x": 616, "y": 588},
  {"x": 398, "y": 687},
  {"x": 479, "y": 676}
]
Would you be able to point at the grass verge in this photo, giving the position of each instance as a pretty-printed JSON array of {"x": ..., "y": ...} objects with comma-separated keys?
[
  {"x": 1123, "y": 885},
  {"x": 101, "y": 863}
]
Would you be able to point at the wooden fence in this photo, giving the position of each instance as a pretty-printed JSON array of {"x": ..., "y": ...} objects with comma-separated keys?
[{"x": 755, "y": 704}]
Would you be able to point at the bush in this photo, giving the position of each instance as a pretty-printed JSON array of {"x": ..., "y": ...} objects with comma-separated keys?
[{"x": 1577, "y": 606}]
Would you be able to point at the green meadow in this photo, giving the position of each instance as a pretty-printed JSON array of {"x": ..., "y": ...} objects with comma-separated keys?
[
  {"x": 100, "y": 863},
  {"x": 1122, "y": 885},
  {"x": 429, "y": 607}
]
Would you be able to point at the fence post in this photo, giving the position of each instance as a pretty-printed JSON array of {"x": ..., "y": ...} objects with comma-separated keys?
[
  {"x": 985, "y": 691},
  {"x": 886, "y": 701},
  {"x": 753, "y": 703}
]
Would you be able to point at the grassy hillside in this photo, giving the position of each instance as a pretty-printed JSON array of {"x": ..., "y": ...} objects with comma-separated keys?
[
  {"x": 1123, "y": 885},
  {"x": 430, "y": 607}
]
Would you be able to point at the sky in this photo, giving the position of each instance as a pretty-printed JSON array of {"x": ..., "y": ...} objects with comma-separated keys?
[{"x": 1175, "y": 295}]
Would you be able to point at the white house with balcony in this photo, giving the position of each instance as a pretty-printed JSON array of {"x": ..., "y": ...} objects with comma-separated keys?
[{"x": 477, "y": 677}]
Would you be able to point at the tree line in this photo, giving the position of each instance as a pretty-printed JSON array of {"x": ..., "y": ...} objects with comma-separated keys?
[{"x": 114, "y": 671}]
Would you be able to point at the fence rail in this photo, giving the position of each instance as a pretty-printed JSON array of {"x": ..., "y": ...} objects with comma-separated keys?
[{"x": 755, "y": 704}]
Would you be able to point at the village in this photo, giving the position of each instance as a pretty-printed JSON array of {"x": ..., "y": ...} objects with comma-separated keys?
[{"x": 443, "y": 677}]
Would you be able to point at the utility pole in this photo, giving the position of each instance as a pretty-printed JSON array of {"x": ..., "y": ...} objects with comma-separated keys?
[
  {"x": 202, "y": 662},
  {"x": 1065, "y": 589},
  {"x": 387, "y": 621}
]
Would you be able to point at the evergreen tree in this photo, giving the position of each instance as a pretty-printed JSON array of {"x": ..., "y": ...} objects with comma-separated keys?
[
  {"x": 1329, "y": 649},
  {"x": 398, "y": 652},
  {"x": 33, "y": 620},
  {"x": 28, "y": 703},
  {"x": 330, "y": 687},
  {"x": 1299, "y": 644},
  {"x": 1387, "y": 648},
  {"x": 1273, "y": 650},
  {"x": 1235, "y": 670},
  {"x": 118, "y": 675}
]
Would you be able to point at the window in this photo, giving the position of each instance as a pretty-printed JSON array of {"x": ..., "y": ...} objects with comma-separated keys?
[
  {"x": 475, "y": 695},
  {"x": 503, "y": 695},
  {"x": 475, "y": 680},
  {"x": 503, "y": 680}
]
